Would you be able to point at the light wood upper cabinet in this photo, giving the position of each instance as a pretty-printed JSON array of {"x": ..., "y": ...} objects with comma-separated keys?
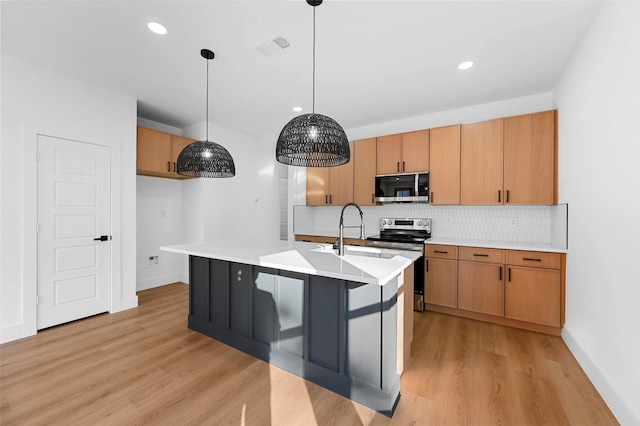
[
  {"x": 330, "y": 185},
  {"x": 389, "y": 154},
  {"x": 403, "y": 153},
  {"x": 530, "y": 159},
  {"x": 481, "y": 163},
  {"x": 444, "y": 165},
  {"x": 364, "y": 171},
  {"x": 415, "y": 152},
  {"x": 157, "y": 153}
]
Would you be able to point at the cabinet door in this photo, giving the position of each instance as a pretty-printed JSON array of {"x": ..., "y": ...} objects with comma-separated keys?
[
  {"x": 364, "y": 171},
  {"x": 178, "y": 143},
  {"x": 481, "y": 168},
  {"x": 153, "y": 151},
  {"x": 389, "y": 154},
  {"x": 415, "y": 152},
  {"x": 481, "y": 287},
  {"x": 341, "y": 183},
  {"x": 533, "y": 295},
  {"x": 317, "y": 186},
  {"x": 530, "y": 159},
  {"x": 444, "y": 165},
  {"x": 441, "y": 282}
]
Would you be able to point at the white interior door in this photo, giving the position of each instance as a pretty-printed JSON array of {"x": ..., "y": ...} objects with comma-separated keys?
[{"x": 74, "y": 209}]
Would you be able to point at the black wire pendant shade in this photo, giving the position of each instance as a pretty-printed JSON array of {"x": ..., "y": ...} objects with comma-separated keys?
[
  {"x": 313, "y": 140},
  {"x": 205, "y": 158}
]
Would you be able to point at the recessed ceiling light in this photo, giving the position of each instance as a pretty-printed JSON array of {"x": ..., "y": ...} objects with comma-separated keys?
[
  {"x": 297, "y": 109},
  {"x": 465, "y": 65},
  {"x": 157, "y": 28}
]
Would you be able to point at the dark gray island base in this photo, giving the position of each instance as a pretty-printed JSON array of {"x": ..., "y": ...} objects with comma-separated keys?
[{"x": 339, "y": 334}]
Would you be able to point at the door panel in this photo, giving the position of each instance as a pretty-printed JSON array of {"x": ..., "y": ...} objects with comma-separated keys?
[{"x": 74, "y": 207}]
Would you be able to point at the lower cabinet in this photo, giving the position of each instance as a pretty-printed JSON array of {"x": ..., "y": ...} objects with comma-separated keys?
[
  {"x": 441, "y": 275},
  {"x": 522, "y": 289},
  {"x": 534, "y": 293}
]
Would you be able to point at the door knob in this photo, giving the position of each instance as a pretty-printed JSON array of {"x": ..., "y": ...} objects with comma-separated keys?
[{"x": 103, "y": 238}]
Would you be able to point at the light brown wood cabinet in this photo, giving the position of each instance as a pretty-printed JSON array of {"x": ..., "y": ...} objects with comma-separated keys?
[
  {"x": 157, "y": 153},
  {"x": 441, "y": 275},
  {"x": 364, "y": 171},
  {"x": 523, "y": 289},
  {"x": 534, "y": 289},
  {"x": 481, "y": 280},
  {"x": 329, "y": 240},
  {"x": 444, "y": 165},
  {"x": 531, "y": 159},
  {"x": 328, "y": 186},
  {"x": 481, "y": 162},
  {"x": 403, "y": 153}
]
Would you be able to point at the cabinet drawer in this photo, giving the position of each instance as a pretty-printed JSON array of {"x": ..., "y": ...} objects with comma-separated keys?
[
  {"x": 534, "y": 259},
  {"x": 485, "y": 255},
  {"x": 442, "y": 252}
]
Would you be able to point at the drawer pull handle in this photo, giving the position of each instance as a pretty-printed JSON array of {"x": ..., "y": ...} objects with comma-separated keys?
[
  {"x": 440, "y": 251},
  {"x": 509, "y": 277},
  {"x": 480, "y": 255},
  {"x": 532, "y": 259},
  {"x": 499, "y": 196},
  {"x": 507, "y": 195},
  {"x": 168, "y": 166},
  {"x": 500, "y": 273},
  {"x": 427, "y": 265}
]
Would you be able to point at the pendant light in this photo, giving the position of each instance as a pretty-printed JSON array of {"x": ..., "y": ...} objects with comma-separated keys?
[
  {"x": 313, "y": 140},
  {"x": 204, "y": 158}
]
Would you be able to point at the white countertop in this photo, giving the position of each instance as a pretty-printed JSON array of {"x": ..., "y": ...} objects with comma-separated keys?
[
  {"x": 507, "y": 245},
  {"x": 360, "y": 264}
]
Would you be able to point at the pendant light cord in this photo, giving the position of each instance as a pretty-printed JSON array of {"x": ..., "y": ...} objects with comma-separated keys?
[
  {"x": 206, "y": 121},
  {"x": 313, "y": 93}
]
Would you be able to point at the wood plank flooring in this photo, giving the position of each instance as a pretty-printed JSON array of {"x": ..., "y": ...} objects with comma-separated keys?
[{"x": 143, "y": 366}]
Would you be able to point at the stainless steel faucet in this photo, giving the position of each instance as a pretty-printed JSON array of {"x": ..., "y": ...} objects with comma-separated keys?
[{"x": 341, "y": 235}]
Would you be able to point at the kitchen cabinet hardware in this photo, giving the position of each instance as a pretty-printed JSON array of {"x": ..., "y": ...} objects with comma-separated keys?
[
  {"x": 500, "y": 278},
  {"x": 403, "y": 166},
  {"x": 168, "y": 166},
  {"x": 427, "y": 264},
  {"x": 531, "y": 259},
  {"x": 499, "y": 199},
  {"x": 480, "y": 255},
  {"x": 507, "y": 200},
  {"x": 509, "y": 270},
  {"x": 373, "y": 198},
  {"x": 440, "y": 251},
  {"x": 398, "y": 166},
  {"x": 431, "y": 197}
]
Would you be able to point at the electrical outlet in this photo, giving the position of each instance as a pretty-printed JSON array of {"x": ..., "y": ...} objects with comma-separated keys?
[
  {"x": 513, "y": 221},
  {"x": 449, "y": 221},
  {"x": 153, "y": 260}
]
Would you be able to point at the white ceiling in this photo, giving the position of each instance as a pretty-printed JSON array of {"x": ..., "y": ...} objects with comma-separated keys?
[{"x": 376, "y": 60}]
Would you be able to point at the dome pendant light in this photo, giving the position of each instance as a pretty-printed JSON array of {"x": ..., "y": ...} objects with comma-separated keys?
[
  {"x": 204, "y": 158},
  {"x": 313, "y": 140}
]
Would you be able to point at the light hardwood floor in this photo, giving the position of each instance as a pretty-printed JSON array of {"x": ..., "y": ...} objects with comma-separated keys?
[{"x": 143, "y": 366}]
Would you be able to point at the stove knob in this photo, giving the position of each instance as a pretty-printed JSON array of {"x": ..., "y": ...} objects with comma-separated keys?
[
  {"x": 384, "y": 221},
  {"x": 390, "y": 222},
  {"x": 419, "y": 223}
]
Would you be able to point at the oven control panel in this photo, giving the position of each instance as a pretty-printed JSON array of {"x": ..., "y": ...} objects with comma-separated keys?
[{"x": 418, "y": 224}]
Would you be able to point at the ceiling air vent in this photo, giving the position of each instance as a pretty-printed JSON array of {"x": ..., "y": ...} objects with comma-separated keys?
[{"x": 273, "y": 45}]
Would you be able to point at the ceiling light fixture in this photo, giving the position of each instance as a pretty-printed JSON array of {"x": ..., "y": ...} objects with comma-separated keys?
[
  {"x": 313, "y": 140},
  {"x": 205, "y": 158},
  {"x": 157, "y": 28},
  {"x": 465, "y": 65}
]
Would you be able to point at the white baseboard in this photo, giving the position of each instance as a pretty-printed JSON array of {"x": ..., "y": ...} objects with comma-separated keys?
[
  {"x": 159, "y": 281},
  {"x": 623, "y": 412},
  {"x": 12, "y": 332},
  {"x": 129, "y": 303}
]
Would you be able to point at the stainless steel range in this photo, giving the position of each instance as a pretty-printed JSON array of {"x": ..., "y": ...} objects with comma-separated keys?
[{"x": 406, "y": 234}]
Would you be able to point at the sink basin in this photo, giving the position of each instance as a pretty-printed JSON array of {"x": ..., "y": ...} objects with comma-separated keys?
[{"x": 355, "y": 251}]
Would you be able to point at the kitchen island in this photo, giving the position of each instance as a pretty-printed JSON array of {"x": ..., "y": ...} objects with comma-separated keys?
[{"x": 330, "y": 319}]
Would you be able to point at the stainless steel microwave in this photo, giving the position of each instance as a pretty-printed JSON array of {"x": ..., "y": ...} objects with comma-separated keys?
[{"x": 402, "y": 188}]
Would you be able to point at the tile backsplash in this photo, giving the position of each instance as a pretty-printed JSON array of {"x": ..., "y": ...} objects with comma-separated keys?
[{"x": 525, "y": 223}]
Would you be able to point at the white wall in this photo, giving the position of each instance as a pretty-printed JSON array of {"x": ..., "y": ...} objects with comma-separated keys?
[
  {"x": 35, "y": 101},
  {"x": 598, "y": 101}
]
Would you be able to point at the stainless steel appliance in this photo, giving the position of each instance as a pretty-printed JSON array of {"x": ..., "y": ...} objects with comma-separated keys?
[
  {"x": 402, "y": 188},
  {"x": 406, "y": 234}
]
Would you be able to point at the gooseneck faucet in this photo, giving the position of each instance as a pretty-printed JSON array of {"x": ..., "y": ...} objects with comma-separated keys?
[{"x": 341, "y": 235}]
